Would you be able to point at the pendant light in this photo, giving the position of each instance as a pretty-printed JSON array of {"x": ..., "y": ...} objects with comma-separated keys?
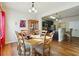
[{"x": 33, "y": 9}]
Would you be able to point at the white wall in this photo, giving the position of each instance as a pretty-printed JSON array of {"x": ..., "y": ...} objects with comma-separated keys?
[
  {"x": 12, "y": 24},
  {"x": 75, "y": 26},
  {"x": 72, "y": 22}
]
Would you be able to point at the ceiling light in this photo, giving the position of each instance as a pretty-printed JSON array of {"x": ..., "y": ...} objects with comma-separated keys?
[
  {"x": 33, "y": 9},
  {"x": 52, "y": 17},
  {"x": 30, "y": 10},
  {"x": 56, "y": 19}
]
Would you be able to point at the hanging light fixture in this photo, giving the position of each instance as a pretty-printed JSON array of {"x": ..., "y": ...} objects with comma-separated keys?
[
  {"x": 59, "y": 18},
  {"x": 33, "y": 9}
]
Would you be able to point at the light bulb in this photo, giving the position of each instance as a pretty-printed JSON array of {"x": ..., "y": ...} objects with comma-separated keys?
[
  {"x": 30, "y": 10},
  {"x": 56, "y": 19},
  {"x": 35, "y": 11},
  {"x": 33, "y": 8}
]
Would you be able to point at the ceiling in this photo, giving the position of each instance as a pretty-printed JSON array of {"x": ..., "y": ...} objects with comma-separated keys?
[
  {"x": 44, "y": 8},
  {"x": 69, "y": 13}
]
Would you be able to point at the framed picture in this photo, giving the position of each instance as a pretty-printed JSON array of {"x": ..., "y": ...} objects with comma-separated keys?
[{"x": 22, "y": 23}]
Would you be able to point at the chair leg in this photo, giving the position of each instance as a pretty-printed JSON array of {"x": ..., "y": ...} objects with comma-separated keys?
[{"x": 36, "y": 53}]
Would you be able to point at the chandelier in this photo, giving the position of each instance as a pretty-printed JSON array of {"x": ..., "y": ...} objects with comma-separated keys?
[{"x": 32, "y": 9}]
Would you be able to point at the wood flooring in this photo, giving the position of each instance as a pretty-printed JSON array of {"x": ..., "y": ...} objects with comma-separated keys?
[{"x": 64, "y": 48}]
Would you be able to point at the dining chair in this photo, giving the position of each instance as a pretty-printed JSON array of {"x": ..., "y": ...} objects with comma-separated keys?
[
  {"x": 68, "y": 35},
  {"x": 43, "y": 49},
  {"x": 43, "y": 32},
  {"x": 20, "y": 46},
  {"x": 24, "y": 48}
]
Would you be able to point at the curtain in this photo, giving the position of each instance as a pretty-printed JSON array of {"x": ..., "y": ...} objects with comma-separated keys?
[{"x": 2, "y": 29}]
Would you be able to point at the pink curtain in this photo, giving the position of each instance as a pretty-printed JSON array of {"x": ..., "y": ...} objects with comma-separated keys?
[{"x": 2, "y": 28}]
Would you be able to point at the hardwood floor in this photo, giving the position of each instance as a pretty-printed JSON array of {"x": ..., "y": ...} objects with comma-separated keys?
[
  {"x": 10, "y": 50},
  {"x": 64, "y": 48}
]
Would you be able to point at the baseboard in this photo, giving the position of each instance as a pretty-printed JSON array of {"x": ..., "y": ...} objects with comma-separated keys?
[
  {"x": 10, "y": 42},
  {"x": 75, "y": 37}
]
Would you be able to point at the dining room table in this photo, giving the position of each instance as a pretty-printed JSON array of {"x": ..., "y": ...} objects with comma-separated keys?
[{"x": 36, "y": 40}]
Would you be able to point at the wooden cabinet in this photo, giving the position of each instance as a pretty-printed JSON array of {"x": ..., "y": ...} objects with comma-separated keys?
[{"x": 33, "y": 26}]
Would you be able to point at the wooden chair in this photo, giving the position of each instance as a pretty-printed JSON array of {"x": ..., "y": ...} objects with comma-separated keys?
[
  {"x": 68, "y": 35},
  {"x": 43, "y": 32},
  {"x": 20, "y": 46},
  {"x": 24, "y": 48},
  {"x": 44, "y": 48}
]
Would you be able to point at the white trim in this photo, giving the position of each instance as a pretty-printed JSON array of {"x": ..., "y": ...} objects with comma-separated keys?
[{"x": 10, "y": 42}]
